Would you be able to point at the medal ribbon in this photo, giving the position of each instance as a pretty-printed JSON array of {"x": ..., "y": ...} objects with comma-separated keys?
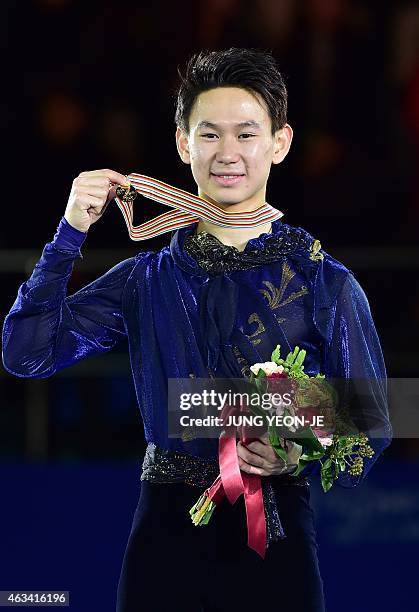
[{"x": 189, "y": 209}]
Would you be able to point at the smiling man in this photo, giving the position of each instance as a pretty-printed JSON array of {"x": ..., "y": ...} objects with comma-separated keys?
[
  {"x": 231, "y": 142},
  {"x": 211, "y": 304}
]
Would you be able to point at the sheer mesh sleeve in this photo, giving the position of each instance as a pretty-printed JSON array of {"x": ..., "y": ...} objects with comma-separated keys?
[
  {"x": 46, "y": 330},
  {"x": 355, "y": 359}
]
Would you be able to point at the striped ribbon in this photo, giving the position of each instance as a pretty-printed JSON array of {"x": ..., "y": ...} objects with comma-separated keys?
[{"x": 189, "y": 209}]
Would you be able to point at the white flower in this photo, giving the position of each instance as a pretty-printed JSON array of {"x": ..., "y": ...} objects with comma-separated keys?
[
  {"x": 269, "y": 367},
  {"x": 326, "y": 441}
]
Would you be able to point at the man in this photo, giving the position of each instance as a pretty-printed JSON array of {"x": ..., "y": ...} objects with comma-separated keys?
[{"x": 212, "y": 303}]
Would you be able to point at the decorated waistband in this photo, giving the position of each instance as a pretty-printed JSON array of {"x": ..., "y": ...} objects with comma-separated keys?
[
  {"x": 166, "y": 466},
  {"x": 189, "y": 209}
]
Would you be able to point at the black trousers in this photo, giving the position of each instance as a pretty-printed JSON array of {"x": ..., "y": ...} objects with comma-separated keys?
[{"x": 170, "y": 565}]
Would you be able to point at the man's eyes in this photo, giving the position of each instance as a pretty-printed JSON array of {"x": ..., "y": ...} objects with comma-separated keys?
[{"x": 210, "y": 135}]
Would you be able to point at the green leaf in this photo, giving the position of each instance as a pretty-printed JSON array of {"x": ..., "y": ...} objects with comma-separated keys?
[
  {"x": 291, "y": 356},
  {"x": 300, "y": 358},
  {"x": 327, "y": 481},
  {"x": 308, "y": 440},
  {"x": 276, "y": 354},
  {"x": 326, "y": 475},
  {"x": 314, "y": 455},
  {"x": 261, "y": 382},
  {"x": 343, "y": 442},
  {"x": 273, "y": 435},
  {"x": 279, "y": 451},
  {"x": 327, "y": 464},
  {"x": 336, "y": 466}
]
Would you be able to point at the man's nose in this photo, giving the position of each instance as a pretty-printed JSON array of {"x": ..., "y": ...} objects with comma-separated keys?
[{"x": 227, "y": 150}]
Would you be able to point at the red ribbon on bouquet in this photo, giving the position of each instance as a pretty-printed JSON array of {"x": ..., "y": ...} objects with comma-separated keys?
[
  {"x": 232, "y": 483},
  {"x": 236, "y": 483}
]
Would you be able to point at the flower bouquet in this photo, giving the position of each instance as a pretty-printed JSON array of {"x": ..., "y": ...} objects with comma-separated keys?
[
  {"x": 330, "y": 444},
  {"x": 336, "y": 445}
]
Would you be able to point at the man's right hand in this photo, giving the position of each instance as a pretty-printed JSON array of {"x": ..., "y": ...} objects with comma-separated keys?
[{"x": 90, "y": 194}]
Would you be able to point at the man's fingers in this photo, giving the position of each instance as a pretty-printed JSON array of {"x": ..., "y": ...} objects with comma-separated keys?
[
  {"x": 89, "y": 201},
  {"x": 114, "y": 177},
  {"x": 259, "y": 448},
  {"x": 95, "y": 180},
  {"x": 98, "y": 212},
  {"x": 251, "y": 469},
  {"x": 100, "y": 191},
  {"x": 112, "y": 193},
  {"x": 91, "y": 192},
  {"x": 248, "y": 456}
]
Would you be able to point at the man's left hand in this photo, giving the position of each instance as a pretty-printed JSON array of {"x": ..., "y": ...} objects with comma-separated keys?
[{"x": 259, "y": 457}]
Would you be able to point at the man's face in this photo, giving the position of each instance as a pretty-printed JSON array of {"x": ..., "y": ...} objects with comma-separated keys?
[{"x": 230, "y": 146}]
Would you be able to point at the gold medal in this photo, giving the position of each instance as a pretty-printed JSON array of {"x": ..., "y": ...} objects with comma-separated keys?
[{"x": 127, "y": 194}]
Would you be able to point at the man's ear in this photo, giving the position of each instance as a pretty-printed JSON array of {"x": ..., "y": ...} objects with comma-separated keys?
[
  {"x": 182, "y": 146},
  {"x": 283, "y": 139}
]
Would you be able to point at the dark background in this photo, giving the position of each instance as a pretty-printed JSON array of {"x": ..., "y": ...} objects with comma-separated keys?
[{"x": 90, "y": 85}]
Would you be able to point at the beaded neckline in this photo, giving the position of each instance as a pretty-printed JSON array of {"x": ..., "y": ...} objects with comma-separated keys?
[{"x": 216, "y": 257}]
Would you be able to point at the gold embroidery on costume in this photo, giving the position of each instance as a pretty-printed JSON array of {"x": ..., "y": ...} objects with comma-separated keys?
[
  {"x": 188, "y": 435},
  {"x": 255, "y": 318},
  {"x": 315, "y": 247},
  {"x": 275, "y": 295},
  {"x": 245, "y": 369}
]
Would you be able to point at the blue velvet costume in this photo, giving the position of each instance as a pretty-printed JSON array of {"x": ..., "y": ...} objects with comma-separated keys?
[
  {"x": 182, "y": 320},
  {"x": 204, "y": 312}
]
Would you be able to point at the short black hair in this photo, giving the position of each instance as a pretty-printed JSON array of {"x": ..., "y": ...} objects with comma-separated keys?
[{"x": 255, "y": 70}]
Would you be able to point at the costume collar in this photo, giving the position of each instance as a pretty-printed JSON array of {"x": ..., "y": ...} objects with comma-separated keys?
[{"x": 202, "y": 254}]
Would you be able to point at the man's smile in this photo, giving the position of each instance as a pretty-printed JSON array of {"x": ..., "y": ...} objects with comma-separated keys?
[{"x": 226, "y": 180}]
